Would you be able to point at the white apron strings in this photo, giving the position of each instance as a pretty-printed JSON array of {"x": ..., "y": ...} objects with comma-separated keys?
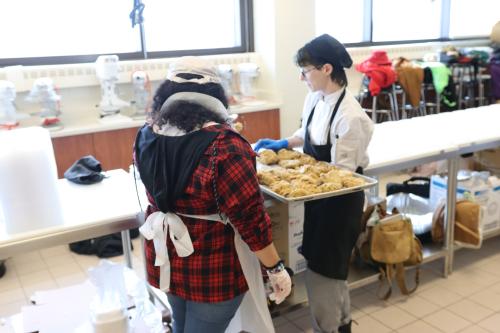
[{"x": 253, "y": 314}]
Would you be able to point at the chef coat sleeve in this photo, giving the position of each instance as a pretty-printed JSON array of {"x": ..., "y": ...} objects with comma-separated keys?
[{"x": 349, "y": 143}]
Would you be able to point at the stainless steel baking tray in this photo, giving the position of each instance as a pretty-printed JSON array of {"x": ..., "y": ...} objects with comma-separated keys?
[{"x": 369, "y": 182}]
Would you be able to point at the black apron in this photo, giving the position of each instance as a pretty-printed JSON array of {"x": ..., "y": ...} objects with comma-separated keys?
[{"x": 331, "y": 225}]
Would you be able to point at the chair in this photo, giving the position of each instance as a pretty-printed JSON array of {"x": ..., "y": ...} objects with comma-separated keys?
[
  {"x": 407, "y": 109},
  {"x": 377, "y": 111},
  {"x": 482, "y": 77},
  {"x": 465, "y": 79},
  {"x": 428, "y": 90}
]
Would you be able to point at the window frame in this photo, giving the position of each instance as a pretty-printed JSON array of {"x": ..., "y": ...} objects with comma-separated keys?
[
  {"x": 246, "y": 37},
  {"x": 247, "y": 40},
  {"x": 444, "y": 33}
]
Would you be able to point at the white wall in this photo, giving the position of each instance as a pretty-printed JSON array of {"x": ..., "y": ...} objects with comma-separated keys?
[{"x": 281, "y": 28}]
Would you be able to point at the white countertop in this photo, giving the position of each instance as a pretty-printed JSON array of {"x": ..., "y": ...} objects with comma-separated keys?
[
  {"x": 90, "y": 123},
  {"x": 399, "y": 144},
  {"x": 88, "y": 211}
]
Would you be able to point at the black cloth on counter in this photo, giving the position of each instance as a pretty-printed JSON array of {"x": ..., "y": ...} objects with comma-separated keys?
[{"x": 85, "y": 171}]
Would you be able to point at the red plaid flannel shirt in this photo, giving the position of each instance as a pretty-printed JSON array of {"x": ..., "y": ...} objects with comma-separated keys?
[{"x": 213, "y": 273}]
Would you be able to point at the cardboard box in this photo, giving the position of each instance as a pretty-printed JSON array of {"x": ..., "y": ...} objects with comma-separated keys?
[
  {"x": 439, "y": 186},
  {"x": 488, "y": 160},
  {"x": 288, "y": 228},
  {"x": 491, "y": 211}
]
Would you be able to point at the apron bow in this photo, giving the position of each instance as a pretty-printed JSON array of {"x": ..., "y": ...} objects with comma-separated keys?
[
  {"x": 157, "y": 226},
  {"x": 254, "y": 305}
]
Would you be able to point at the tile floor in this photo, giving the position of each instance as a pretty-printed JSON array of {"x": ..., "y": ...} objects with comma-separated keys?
[{"x": 467, "y": 301}]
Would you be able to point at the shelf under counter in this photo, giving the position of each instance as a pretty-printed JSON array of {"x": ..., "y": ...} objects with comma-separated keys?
[{"x": 358, "y": 277}]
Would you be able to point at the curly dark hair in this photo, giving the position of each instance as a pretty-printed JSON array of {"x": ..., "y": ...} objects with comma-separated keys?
[
  {"x": 303, "y": 58},
  {"x": 186, "y": 115}
]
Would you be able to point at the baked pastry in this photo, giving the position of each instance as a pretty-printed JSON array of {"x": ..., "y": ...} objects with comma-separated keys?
[
  {"x": 281, "y": 187},
  {"x": 267, "y": 177},
  {"x": 309, "y": 170},
  {"x": 306, "y": 159},
  {"x": 323, "y": 167},
  {"x": 238, "y": 127},
  {"x": 287, "y": 174},
  {"x": 309, "y": 179},
  {"x": 267, "y": 157},
  {"x": 344, "y": 173},
  {"x": 331, "y": 176},
  {"x": 329, "y": 187},
  {"x": 289, "y": 164},
  {"x": 288, "y": 154},
  {"x": 351, "y": 181},
  {"x": 297, "y": 192},
  {"x": 305, "y": 185}
]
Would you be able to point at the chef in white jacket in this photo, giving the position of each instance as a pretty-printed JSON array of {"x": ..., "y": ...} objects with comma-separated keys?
[{"x": 334, "y": 129}]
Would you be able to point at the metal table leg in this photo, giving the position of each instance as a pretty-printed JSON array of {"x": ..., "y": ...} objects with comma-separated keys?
[
  {"x": 450, "y": 214},
  {"x": 127, "y": 249}
]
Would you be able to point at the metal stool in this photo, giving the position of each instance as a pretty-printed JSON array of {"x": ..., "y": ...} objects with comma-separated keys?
[
  {"x": 390, "y": 92},
  {"x": 465, "y": 80},
  {"x": 408, "y": 110},
  {"x": 427, "y": 105},
  {"x": 482, "y": 77}
]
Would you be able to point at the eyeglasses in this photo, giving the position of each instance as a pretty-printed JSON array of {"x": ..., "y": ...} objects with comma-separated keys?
[{"x": 303, "y": 71}]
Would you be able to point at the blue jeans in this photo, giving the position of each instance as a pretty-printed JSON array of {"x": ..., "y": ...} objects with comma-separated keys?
[{"x": 196, "y": 317}]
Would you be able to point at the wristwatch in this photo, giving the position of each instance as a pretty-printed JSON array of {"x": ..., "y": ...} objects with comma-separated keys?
[{"x": 280, "y": 266}]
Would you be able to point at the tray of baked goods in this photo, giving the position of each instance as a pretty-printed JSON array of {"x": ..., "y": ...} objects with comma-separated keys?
[{"x": 290, "y": 175}]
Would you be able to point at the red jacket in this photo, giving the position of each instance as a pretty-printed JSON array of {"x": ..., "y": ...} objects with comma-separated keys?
[{"x": 379, "y": 70}]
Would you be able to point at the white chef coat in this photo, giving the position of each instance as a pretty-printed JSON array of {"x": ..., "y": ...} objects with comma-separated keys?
[{"x": 350, "y": 133}]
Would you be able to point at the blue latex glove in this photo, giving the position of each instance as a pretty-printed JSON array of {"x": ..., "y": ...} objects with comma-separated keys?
[{"x": 271, "y": 144}]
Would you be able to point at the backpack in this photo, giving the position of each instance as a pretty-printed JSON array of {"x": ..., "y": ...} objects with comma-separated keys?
[
  {"x": 467, "y": 227},
  {"x": 416, "y": 185},
  {"x": 387, "y": 243},
  {"x": 104, "y": 247}
]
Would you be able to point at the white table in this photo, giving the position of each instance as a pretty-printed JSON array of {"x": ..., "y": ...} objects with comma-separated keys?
[
  {"x": 88, "y": 211},
  {"x": 402, "y": 144},
  {"x": 407, "y": 143}
]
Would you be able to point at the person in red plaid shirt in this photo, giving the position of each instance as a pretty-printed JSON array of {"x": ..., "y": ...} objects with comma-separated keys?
[{"x": 205, "y": 224}]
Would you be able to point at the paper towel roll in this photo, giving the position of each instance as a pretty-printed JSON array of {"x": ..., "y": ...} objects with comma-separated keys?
[{"x": 29, "y": 197}]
